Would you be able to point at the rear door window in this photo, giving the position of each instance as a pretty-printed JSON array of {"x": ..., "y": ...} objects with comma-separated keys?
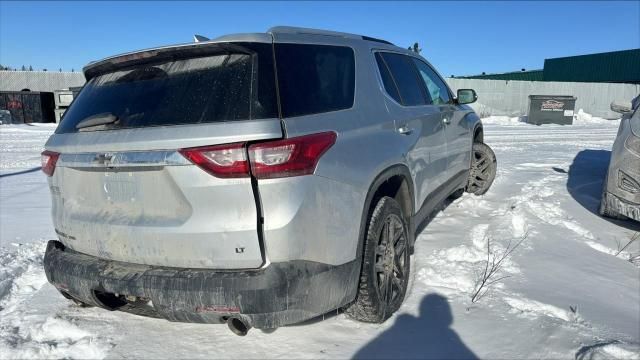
[
  {"x": 406, "y": 78},
  {"x": 387, "y": 80},
  {"x": 228, "y": 84},
  {"x": 438, "y": 91},
  {"x": 314, "y": 79}
]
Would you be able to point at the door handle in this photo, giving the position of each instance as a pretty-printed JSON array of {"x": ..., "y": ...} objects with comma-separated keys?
[
  {"x": 404, "y": 130},
  {"x": 446, "y": 121}
]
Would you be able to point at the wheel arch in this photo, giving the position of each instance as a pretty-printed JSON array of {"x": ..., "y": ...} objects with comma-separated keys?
[
  {"x": 395, "y": 182},
  {"x": 478, "y": 133}
]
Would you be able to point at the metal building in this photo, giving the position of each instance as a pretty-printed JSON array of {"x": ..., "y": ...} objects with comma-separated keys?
[
  {"x": 610, "y": 67},
  {"x": 44, "y": 81}
]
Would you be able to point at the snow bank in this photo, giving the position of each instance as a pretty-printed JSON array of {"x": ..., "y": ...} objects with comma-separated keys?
[
  {"x": 53, "y": 339},
  {"x": 505, "y": 120},
  {"x": 14, "y": 262},
  {"x": 583, "y": 118},
  {"x": 580, "y": 118}
]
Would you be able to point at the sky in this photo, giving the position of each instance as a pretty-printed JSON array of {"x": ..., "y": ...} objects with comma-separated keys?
[{"x": 459, "y": 38}]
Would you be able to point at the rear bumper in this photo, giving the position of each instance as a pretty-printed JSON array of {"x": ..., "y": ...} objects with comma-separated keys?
[
  {"x": 280, "y": 294},
  {"x": 622, "y": 207}
]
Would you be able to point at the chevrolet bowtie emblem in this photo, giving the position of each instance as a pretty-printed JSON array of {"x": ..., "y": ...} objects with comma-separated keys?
[{"x": 103, "y": 158}]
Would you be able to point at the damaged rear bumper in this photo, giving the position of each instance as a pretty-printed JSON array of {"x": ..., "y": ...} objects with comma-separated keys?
[
  {"x": 280, "y": 294},
  {"x": 622, "y": 207}
]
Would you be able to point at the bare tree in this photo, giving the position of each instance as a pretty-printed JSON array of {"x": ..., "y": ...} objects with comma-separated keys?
[
  {"x": 623, "y": 248},
  {"x": 634, "y": 257},
  {"x": 490, "y": 275}
]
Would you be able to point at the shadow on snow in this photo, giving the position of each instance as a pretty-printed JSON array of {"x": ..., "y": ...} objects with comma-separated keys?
[
  {"x": 21, "y": 172},
  {"x": 427, "y": 336},
  {"x": 586, "y": 176}
]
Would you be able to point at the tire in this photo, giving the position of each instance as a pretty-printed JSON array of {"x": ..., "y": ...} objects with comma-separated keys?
[
  {"x": 483, "y": 169},
  {"x": 385, "y": 269},
  {"x": 457, "y": 194}
]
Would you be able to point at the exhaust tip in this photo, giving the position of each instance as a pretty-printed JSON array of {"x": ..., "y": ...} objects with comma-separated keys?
[{"x": 238, "y": 326}]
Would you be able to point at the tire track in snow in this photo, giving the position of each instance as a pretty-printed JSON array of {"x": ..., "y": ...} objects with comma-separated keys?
[{"x": 455, "y": 269}]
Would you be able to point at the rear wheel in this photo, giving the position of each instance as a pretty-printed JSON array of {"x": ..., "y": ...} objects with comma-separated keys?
[
  {"x": 385, "y": 266},
  {"x": 483, "y": 169},
  {"x": 457, "y": 194}
]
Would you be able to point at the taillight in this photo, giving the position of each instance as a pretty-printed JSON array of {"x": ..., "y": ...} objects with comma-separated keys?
[
  {"x": 224, "y": 161},
  {"x": 289, "y": 157},
  {"x": 267, "y": 160},
  {"x": 49, "y": 160}
]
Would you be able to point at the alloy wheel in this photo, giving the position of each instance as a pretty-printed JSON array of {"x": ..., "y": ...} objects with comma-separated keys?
[{"x": 390, "y": 261}]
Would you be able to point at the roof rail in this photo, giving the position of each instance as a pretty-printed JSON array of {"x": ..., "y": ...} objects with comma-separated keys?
[
  {"x": 309, "y": 31},
  {"x": 301, "y": 30},
  {"x": 368, "y": 38}
]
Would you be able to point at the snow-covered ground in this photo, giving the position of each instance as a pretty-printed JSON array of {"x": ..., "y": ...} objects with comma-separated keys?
[{"x": 567, "y": 294}]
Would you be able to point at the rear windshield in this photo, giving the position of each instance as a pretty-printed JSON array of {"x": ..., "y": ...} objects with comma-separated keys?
[{"x": 228, "y": 85}]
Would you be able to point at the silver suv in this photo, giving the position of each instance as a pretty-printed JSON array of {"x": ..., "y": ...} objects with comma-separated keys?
[
  {"x": 256, "y": 179},
  {"x": 621, "y": 186}
]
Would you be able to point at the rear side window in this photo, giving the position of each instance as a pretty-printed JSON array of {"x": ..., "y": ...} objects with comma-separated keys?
[
  {"x": 387, "y": 81},
  {"x": 406, "y": 78},
  {"x": 437, "y": 89},
  {"x": 314, "y": 79},
  {"x": 236, "y": 82}
]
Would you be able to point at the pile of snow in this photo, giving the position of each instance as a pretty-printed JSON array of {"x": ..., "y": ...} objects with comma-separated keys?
[
  {"x": 21, "y": 278},
  {"x": 580, "y": 118},
  {"x": 583, "y": 118},
  {"x": 504, "y": 120}
]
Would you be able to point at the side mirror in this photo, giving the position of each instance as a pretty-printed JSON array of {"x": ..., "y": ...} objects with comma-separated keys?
[
  {"x": 466, "y": 96},
  {"x": 621, "y": 107}
]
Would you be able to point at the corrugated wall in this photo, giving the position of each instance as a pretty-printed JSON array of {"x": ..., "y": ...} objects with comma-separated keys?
[
  {"x": 617, "y": 66},
  {"x": 39, "y": 80},
  {"x": 511, "y": 98}
]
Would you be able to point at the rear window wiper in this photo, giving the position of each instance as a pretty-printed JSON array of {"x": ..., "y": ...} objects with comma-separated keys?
[{"x": 96, "y": 120}]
